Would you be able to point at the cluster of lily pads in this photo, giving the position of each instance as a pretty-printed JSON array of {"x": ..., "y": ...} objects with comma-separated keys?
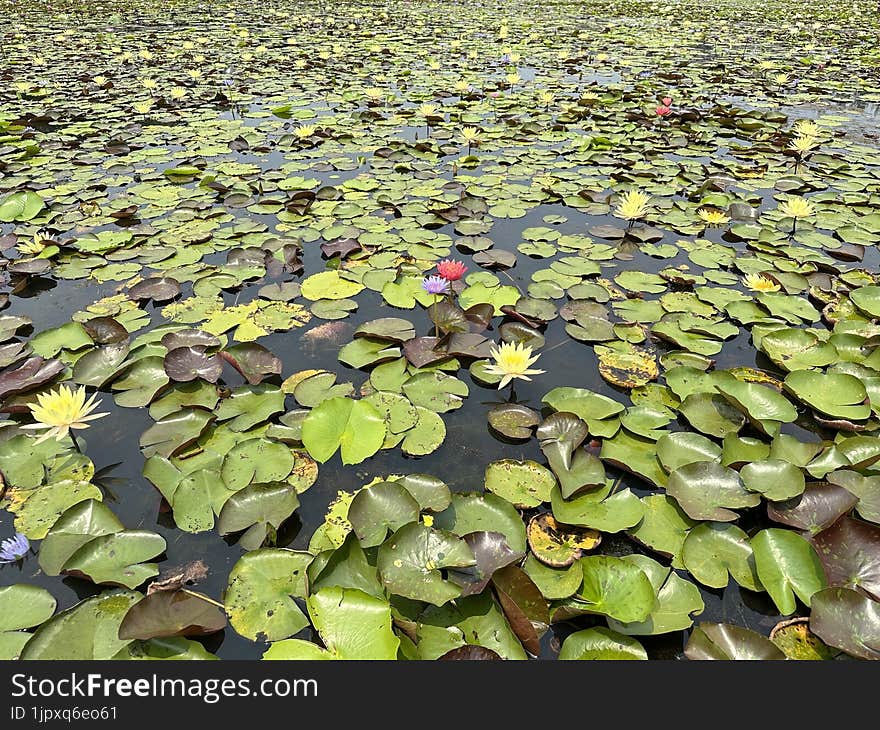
[{"x": 241, "y": 224}]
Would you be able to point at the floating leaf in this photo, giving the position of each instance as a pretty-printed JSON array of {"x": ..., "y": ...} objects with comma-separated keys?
[
  {"x": 171, "y": 613},
  {"x": 352, "y": 624},
  {"x": 601, "y": 644},
  {"x": 523, "y": 483},
  {"x": 787, "y": 567},
  {"x": 259, "y": 595},
  {"x": 725, "y": 642},
  {"x": 257, "y": 509},
  {"x": 712, "y": 550},
  {"x": 616, "y": 588},
  {"x": 705, "y": 490},
  {"x": 89, "y": 630},
  {"x": 559, "y": 545},
  {"x": 356, "y": 428},
  {"x": 850, "y": 554},
  {"x": 848, "y": 620},
  {"x": 21, "y": 607},
  {"x": 411, "y": 560},
  {"x": 381, "y": 509},
  {"x": 117, "y": 558}
]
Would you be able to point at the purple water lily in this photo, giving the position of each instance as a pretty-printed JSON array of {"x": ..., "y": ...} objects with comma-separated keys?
[
  {"x": 14, "y": 548},
  {"x": 435, "y": 285}
]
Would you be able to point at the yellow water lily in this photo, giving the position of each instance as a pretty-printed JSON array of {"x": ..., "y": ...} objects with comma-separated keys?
[
  {"x": 803, "y": 143},
  {"x": 177, "y": 93},
  {"x": 100, "y": 80},
  {"x": 512, "y": 360},
  {"x": 149, "y": 84},
  {"x": 471, "y": 135},
  {"x": 62, "y": 409},
  {"x": 462, "y": 86},
  {"x": 806, "y": 127},
  {"x": 797, "y": 208},
  {"x": 304, "y": 131},
  {"x": 781, "y": 78},
  {"x": 713, "y": 217},
  {"x": 546, "y": 97},
  {"x": 374, "y": 93},
  {"x": 513, "y": 78},
  {"x": 632, "y": 206},
  {"x": 32, "y": 248},
  {"x": 427, "y": 110},
  {"x": 194, "y": 73},
  {"x": 757, "y": 282},
  {"x": 142, "y": 107},
  {"x": 146, "y": 55}
]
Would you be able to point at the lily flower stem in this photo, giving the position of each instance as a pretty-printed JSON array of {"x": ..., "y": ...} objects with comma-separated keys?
[
  {"x": 75, "y": 442},
  {"x": 208, "y": 599},
  {"x": 436, "y": 326}
]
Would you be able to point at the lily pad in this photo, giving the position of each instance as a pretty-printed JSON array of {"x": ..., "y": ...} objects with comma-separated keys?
[
  {"x": 410, "y": 563},
  {"x": 727, "y": 642},
  {"x": 559, "y": 545},
  {"x": 523, "y": 483},
  {"x": 259, "y": 595}
]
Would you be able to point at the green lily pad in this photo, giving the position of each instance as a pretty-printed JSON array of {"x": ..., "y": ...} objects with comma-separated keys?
[
  {"x": 411, "y": 560},
  {"x": 837, "y": 395},
  {"x": 705, "y": 490},
  {"x": 483, "y": 513},
  {"x": 89, "y": 630},
  {"x": 727, "y": 642},
  {"x": 117, "y": 558},
  {"x": 329, "y": 285},
  {"x": 616, "y": 588},
  {"x": 523, "y": 483},
  {"x": 21, "y": 607},
  {"x": 356, "y": 428},
  {"x": 787, "y": 567},
  {"x": 257, "y": 509},
  {"x": 712, "y": 550},
  {"x": 600, "y": 644},
  {"x": 260, "y": 591},
  {"x": 352, "y": 624},
  {"x": 381, "y": 509},
  {"x": 678, "y": 600},
  {"x": 775, "y": 479},
  {"x": 663, "y": 528}
]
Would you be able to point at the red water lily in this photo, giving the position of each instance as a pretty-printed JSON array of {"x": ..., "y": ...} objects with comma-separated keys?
[
  {"x": 663, "y": 110},
  {"x": 451, "y": 270}
]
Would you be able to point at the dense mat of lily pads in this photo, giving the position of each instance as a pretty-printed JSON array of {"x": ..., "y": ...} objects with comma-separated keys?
[{"x": 440, "y": 330}]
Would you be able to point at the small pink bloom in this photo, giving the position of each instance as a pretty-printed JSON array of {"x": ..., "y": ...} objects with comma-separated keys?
[
  {"x": 451, "y": 270},
  {"x": 667, "y": 101},
  {"x": 663, "y": 111}
]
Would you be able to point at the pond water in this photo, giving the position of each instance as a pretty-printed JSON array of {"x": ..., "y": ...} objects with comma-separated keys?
[{"x": 382, "y": 167}]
